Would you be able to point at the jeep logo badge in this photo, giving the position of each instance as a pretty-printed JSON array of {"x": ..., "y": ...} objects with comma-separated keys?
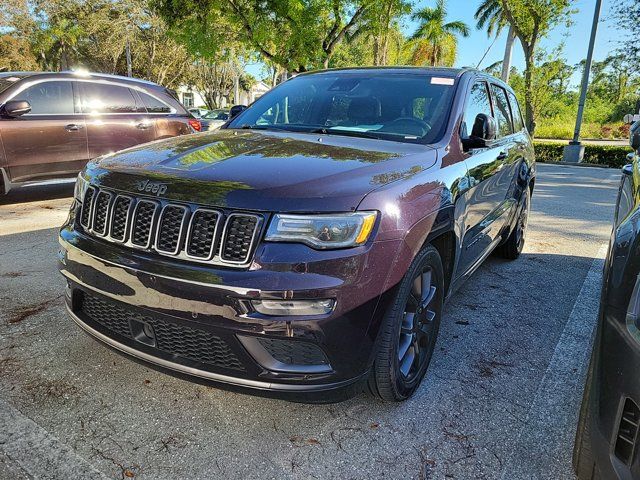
[{"x": 155, "y": 188}]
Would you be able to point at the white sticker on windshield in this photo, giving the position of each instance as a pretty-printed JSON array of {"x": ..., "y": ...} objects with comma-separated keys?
[{"x": 441, "y": 81}]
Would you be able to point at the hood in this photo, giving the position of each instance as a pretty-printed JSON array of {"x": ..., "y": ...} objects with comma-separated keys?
[{"x": 260, "y": 170}]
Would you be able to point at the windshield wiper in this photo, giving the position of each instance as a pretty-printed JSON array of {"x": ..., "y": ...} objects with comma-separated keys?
[
  {"x": 246, "y": 126},
  {"x": 347, "y": 133}
]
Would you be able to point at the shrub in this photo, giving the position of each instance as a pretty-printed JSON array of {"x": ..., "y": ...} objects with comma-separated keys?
[{"x": 614, "y": 156}]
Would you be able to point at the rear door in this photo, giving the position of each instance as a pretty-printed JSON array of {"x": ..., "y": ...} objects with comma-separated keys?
[
  {"x": 49, "y": 141},
  {"x": 115, "y": 117},
  {"x": 486, "y": 188},
  {"x": 511, "y": 145}
]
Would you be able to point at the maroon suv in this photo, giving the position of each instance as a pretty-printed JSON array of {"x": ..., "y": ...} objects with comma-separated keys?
[
  {"x": 51, "y": 124},
  {"x": 306, "y": 248}
]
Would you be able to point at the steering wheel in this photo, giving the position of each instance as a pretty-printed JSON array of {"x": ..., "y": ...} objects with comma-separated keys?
[{"x": 407, "y": 125}]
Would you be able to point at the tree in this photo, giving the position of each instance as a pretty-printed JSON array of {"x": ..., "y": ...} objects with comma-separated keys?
[
  {"x": 627, "y": 17},
  {"x": 435, "y": 40},
  {"x": 16, "y": 55},
  {"x": 93, "y": 34},
  {"x": 531, "y": 20},
  {"x": 382, "y": 29},
  {"x": 489, "y": 15},
  {"x": 297, "y": 35}
]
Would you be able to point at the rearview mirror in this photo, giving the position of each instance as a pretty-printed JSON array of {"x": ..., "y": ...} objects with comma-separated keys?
[
  {"x": 483, "y": 132},
  {"x": 634, "y": 136},
  {"x": 15, "y": 108},
  {"x": 236, "y": 110}
]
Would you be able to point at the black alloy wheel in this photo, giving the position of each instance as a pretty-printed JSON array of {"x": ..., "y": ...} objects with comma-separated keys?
[{"x": 408, "y": 335}]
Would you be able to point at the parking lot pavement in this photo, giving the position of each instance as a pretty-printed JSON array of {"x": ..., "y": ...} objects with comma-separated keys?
[{"x": 500, "y": 399}]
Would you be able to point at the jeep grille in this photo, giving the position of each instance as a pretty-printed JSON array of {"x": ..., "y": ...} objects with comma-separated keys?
[{"x": 184, "y": 231}]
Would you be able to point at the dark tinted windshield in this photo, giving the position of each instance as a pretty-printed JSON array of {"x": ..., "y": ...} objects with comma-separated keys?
[{"x": 407, "y": 107}]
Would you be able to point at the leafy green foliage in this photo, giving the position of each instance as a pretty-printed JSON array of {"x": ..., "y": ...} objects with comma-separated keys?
[{"x": 610, "y": 155}]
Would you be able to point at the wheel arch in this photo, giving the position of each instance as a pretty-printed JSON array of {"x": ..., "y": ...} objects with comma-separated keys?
[{"x": 437, "y": 229}]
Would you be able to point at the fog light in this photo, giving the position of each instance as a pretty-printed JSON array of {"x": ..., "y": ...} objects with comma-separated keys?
[{"x": 294, "y": 307}]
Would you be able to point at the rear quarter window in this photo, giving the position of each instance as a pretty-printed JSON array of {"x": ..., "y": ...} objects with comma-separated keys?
[
  {"x": 518, "y": 122},
  {"x": 153, "y": 105}
]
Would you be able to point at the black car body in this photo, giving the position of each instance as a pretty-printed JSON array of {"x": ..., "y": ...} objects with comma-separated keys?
[
  {"x": 291, "y": 253},
  {"x": 607, "y": 439}
]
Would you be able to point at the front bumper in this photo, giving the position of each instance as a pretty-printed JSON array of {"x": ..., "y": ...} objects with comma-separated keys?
[{"x": 199, "y": 304}]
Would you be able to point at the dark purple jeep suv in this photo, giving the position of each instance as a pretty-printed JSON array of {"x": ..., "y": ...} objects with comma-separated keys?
[{"x": 307, "y": 248}]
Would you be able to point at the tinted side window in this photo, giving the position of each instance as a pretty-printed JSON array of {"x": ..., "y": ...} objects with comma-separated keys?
[
  {"x": 518, "y": 123},
  {"x": 104, "y": 98},
  {"x": 502, "y": 112},
  {"x": 154, "y": 105},
  {"x": 49, "y": 98},
  {"x": 478, "y": 103}
]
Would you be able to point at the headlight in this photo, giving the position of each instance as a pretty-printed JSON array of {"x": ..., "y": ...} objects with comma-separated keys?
[
  {"x": 323, "y": 231},
  {"x": 80, "y": 188}
]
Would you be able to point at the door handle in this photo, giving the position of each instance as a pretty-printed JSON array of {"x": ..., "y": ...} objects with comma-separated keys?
[
  {"x": 143, "y": 126},
  {"x": 72, "y": 127}
]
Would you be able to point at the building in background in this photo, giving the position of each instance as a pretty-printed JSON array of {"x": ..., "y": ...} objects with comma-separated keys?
[{"x": 191, "y": 97}]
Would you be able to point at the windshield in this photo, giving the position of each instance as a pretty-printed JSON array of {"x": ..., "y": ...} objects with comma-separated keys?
[
  {"x": 406, "y": 107},
  {"x": 7, "y": 81}
]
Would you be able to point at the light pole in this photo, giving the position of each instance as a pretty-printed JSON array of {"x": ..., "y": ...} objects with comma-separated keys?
[{"x": 574, "y": 152}]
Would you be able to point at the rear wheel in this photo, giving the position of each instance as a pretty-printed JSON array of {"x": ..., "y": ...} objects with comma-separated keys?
[
  {"x": 410, "y": 329},
  {"x": 512, "y": 248}
]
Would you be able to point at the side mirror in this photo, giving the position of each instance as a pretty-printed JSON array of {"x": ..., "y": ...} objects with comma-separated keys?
[
  {"x": 15, "y": 108},
  {"x": 628, "y": 169},
  {"x": 483, "y": 132},
  {"x": 634, "y": 136},
  {"x": 236, "y": 110}
]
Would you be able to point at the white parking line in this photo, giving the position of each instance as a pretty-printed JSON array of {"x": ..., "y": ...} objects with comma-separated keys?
[
  {"x": 545, "y": 441},
  {"x": 38, "y": 453}
]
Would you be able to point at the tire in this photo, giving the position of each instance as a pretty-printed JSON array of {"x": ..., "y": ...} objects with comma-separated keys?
[
  {"x": 583, "y": 461},
  {"x": 512, "y": 248},
  {"x": 410, "y": 327}
]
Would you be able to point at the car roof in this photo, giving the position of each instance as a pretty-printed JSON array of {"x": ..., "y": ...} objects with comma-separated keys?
[
  {"x": 77, "y": 74},
  {"x": 443, "y": 71}
]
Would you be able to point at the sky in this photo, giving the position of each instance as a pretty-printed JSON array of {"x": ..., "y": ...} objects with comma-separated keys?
[{"x": 576, "y": 38}]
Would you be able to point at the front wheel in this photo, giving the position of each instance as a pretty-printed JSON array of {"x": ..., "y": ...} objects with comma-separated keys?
[{"x": 409, "y": 330}]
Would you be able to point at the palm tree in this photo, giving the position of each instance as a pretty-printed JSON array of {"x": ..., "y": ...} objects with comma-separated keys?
[
  {"x": 435, "y": 41},
  {"x": 489, "y": 15}
]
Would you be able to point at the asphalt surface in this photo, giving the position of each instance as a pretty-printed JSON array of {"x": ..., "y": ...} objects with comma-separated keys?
[{"x": 500, "y": 400}]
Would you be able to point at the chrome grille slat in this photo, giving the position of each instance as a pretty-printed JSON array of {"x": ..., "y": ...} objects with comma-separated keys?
[
  {"x": 202, "y": 234},
  {"x": 101, "y": 206},
  {"x": 86, "y": 213},
  {"x": 170, "y": 227},
  {"x": 186, "y": 232},
  {"x": 120, "y": 214},
  {"x": 238, "y": 237},
  {"x": 144, "y": 215}
]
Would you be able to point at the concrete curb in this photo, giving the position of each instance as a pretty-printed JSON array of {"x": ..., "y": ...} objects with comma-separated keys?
[{"x": 37, "y": 453}]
